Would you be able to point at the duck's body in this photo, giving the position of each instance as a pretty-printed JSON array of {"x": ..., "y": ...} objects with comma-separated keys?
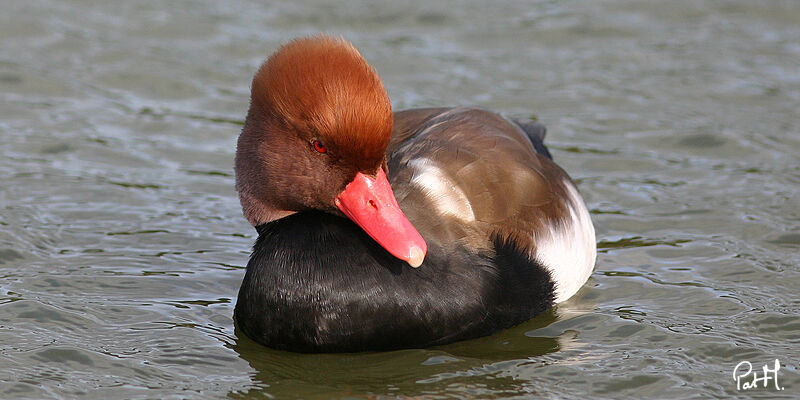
[
  {"x": 465, "y": 174},
  {"x": 507, "y": 237}
]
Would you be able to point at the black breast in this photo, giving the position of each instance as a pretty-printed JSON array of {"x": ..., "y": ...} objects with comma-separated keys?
[{"x": 317, "y": 283}]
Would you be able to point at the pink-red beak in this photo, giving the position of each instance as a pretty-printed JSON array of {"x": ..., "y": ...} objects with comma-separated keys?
[{"x": 370, "y": 203}]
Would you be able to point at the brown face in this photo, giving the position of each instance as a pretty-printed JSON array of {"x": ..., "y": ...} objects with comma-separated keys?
[
  {"x": 318, "y": 115},
  {"x": 315, "y": 139}
]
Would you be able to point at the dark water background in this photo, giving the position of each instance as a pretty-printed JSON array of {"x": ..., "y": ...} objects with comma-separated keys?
[{"x": 122, "y": 244}]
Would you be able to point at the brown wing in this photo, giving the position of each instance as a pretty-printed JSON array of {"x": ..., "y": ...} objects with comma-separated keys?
[{"x": 462, "y": 174}]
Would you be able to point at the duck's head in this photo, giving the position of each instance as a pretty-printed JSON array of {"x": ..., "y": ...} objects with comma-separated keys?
[{"x": 315, "y": 138}]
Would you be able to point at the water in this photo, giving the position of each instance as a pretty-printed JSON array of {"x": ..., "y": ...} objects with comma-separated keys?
[{"x": 122, "y": 244}]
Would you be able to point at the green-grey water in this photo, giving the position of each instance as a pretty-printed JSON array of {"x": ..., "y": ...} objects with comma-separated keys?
[{"x": 122, "y": 243}]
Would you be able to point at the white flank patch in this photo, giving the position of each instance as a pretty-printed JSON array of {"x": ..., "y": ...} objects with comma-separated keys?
[
  {"x": 448, "y": 198},
  {"x": 569, "y": 250}
]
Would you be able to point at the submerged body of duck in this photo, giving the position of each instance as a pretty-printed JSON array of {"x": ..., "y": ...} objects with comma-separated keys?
[{"x": 503, "y": 231}]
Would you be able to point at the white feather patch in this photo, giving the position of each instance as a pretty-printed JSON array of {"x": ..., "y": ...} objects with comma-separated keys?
[
  {"x": 569, "y": 250},
  {"x": 448, "y": 198}
]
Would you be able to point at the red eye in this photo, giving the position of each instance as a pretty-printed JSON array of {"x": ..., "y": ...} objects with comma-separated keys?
[{"x": 319, "y": 147}]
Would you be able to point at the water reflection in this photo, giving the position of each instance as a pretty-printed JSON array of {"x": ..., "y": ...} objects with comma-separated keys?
[{"x": 411, "y": 372}]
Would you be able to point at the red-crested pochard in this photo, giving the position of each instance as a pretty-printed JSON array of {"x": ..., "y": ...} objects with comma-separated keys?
[{"x": 381, "y": 230}]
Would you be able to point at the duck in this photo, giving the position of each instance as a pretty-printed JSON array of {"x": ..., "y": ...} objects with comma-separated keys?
[{"x": 382, "y": 230}]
